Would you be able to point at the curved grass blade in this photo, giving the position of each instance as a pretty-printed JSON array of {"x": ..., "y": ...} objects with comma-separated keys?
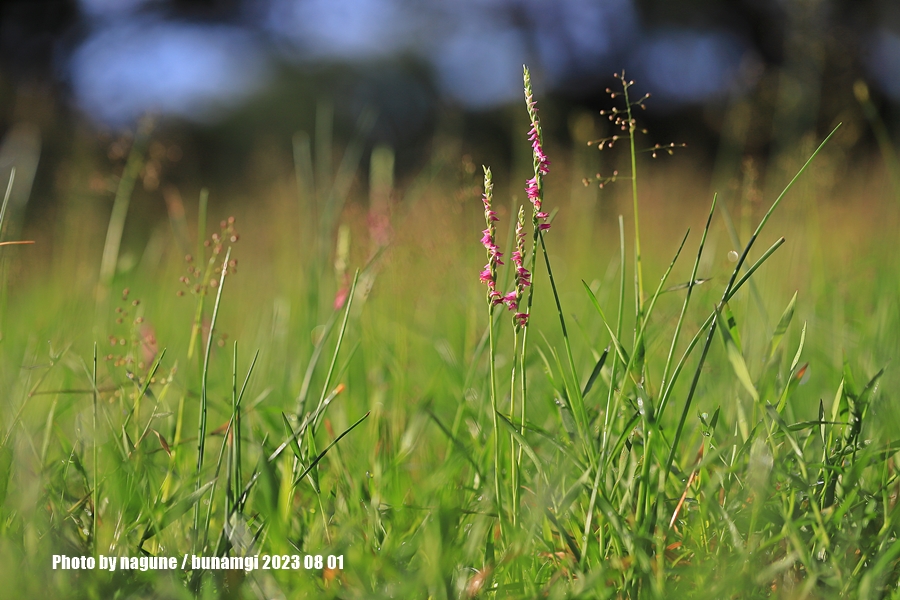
[
  {"x": 733, "y": 351},
  {"x": 595, "y": 373},
  {"x": 456, "y": 442},
  {"x": 322, "y": 454},
  {"x": 782, "y": 326},
  {"x": 620, "y": 350},
  {"x": 175, "y": 511},
  {"x": 523, "y": 443},
  {"x": 337, "y": 350},
  {"x": 795, "y": 375}
]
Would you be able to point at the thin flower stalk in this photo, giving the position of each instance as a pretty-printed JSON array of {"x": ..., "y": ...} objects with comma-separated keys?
[
  {"x": 534, "y": 189},
  {"x": 520, "y": 319},
  {"x": 488, "y": 276}
]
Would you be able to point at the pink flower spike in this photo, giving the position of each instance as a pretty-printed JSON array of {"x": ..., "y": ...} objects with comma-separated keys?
[
  {"x": 488, "y": 274},
  {"x": 533, "y": 192},
  {"x": 534, "y": 186},
  {"x": 544, "y": 226},
  {"x": 521, "y": 319}
]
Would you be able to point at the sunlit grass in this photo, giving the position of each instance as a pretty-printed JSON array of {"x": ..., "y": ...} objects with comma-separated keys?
[{"x": 292, "y": 408}]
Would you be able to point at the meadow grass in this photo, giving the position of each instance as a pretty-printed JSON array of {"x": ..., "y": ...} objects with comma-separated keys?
[{"x": 661, "y": 413}]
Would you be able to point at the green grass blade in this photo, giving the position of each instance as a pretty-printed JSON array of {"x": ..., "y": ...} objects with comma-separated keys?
[
  {"x": 620, "y": 350},
  {"x": 595, "y": 373},
  {"x": 782, "y": 327},
  {"x": 337, "y": 350},
  {"x": 523, "y": 443},
  {"x": 322, "y": 454},
  {"x": 735, "y": 357},
  {"x": 687, "y": 300},
  {"x": 201, "y": 427}
]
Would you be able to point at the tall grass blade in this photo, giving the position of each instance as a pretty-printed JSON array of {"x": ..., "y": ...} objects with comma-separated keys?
[
  {"x": 736, "y": 358},
  {"x": 116, "y": 226},
  {"x": 664, "y": 381},
  {"x": 337, "y": 350},
  {"x": 322, "y": 454},
  {"x": 201, "y": 427},
  {"x": 589, "y": 385},
  {"x": 782, "y": 327}
]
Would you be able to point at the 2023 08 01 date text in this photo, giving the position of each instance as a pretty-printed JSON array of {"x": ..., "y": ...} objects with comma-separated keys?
[{"x": 307, "y": 561}]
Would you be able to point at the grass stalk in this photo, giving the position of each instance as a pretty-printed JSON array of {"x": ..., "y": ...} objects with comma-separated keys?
[
  {"x": 337, "y": 349},
  {"x": 515, "y": 454},
  {"x": 492, "y": 352},
  {"x": 197, "y": 325},
  {"x": 612, "y": 398},
  {"x": 116, "y": 226},
  {"x": 638, "y": 268},
  {"x": 687, "y": 300},
  {"x": 7, "y": 196},
  {"x": 201, "y": 426},
  {"x": 95, "y": 489}
]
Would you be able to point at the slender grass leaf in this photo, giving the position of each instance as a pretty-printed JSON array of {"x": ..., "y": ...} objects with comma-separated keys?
[
  {"x": 792, "y": 384},
  {"x": 292, "y": 437},
  {"x": 732, "y": 326},
  {"x": 570, "y": 541},
  {"x": 746, "y": 277},
  {"x": 839, "y": 406},
  {"x": 322, "y": 454},
  {"x": 6, "y": 461},
  {"x": 687, "y": 284},
  {"x": 313, "y": 472},
  {"x": 620, "y": 350},
  {"x": 737, "y": 359},
  {"x": 822, "y": 421},
  {"x": 523, "y": 443},
  {"x": 575, "y": 490},
  {"x": 788, "y": 434},
  {"x": 595, "y": 373},
  {"x": 175, "y": 511},
  {"x": 456, "y": 442},
  {"x": 782, "y": 326}
]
